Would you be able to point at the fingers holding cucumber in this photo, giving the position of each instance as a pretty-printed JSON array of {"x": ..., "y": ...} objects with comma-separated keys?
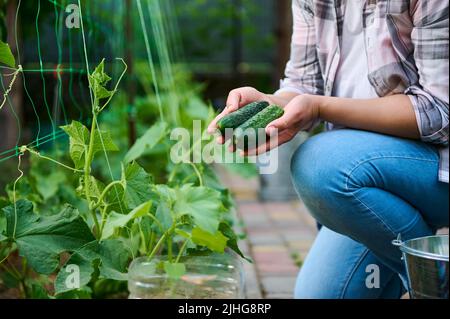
[
  {"x": 247, "y": 125},
  {"x": 236, "y": 99}
]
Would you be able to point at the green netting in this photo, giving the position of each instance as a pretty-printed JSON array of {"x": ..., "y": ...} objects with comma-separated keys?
[{"x": 56, "y": 60}]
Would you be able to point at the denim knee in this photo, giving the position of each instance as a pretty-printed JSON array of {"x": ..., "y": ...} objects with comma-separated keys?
[{"x": 318, "y": 170}]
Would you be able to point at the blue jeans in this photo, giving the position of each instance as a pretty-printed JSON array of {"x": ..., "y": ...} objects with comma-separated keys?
[{"x": 365, "y": 189}]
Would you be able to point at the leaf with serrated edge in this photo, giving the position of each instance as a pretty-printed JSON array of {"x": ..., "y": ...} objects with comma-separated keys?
[
  {"x": 98, "y": 80},
  {"x": 137, "y": 184},
  {"x": 203, "y": 204},
  {"x": 110, "y": 257},
  {"x": 41, "y": 239},
  {"x": 79, "y": 142}
]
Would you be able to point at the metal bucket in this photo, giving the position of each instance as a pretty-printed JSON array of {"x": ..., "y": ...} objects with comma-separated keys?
[{"x": 426, "y": 261}]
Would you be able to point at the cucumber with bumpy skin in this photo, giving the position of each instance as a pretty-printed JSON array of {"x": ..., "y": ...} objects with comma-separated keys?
[
  {"x": 239, "y": 117},
  {"x": 253, "y": 130}
]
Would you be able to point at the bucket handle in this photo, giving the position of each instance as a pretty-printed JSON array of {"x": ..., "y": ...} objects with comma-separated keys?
[{"x": 398, "y": 242}]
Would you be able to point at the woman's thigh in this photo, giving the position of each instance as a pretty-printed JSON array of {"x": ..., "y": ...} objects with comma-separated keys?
[
  {"x": 346, "y": 161},
  {"x": 338, "y": 267}
]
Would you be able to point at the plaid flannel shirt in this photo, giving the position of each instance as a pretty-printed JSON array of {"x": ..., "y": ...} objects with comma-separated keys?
[{"x": 407, "y": 47}]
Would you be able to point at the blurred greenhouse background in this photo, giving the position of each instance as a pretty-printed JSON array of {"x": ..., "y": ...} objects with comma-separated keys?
[{"x": 221, "y": 44}]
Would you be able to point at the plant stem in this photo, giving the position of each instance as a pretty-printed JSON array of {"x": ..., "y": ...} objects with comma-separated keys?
[
  {"x": 9, "y": 271},
  {"x": 158, "y": 245},
  {"x": 51, "y": 160},
  {"x": 173, "y": 173},
  {"x": 169, "y": 248},
  {"x": 87, "y": 169},
  {"x": 117, "y": 84},
  {"x": 105, "y": 192},
  {"x": 156, "y": 221},
  {"x": 200, "y": 178},
  {"x": 152, "y": 241},
  {"x": 183, "y": 248},
  {"x": 18, "y": 274},
  {"x": 14, "y": 194},
  {"x": 103, "y": 220}
]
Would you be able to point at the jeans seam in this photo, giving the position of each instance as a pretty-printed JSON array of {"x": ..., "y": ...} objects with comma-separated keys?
[
  {"x": 361, "y": 202},
  {"x": 383, "y": 157},
  {"x": 358, "y": 263},
  {"x": 374, "y": 214}
]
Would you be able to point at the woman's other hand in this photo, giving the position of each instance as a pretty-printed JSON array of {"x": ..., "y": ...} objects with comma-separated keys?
[{"x": 300, "y": 114}]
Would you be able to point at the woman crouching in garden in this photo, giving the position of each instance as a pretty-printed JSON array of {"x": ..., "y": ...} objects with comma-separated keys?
[{"x": 377, "y": 72}]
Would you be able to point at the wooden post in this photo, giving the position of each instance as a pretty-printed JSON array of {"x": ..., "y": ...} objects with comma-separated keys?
[
  {"x": 131, "y": 84},
  {"x": 283, "y": 33},
  {"x": 9, "y": 128}
]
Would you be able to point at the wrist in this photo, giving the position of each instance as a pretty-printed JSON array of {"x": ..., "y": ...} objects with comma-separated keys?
[
  {"x": 314, "y": 103},
  {"x": 320, "y": 103},
  {"x": 281, "y": 98}
]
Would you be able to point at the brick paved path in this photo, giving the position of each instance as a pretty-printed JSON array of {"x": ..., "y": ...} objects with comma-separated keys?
[{"x": 279, "y": 235}]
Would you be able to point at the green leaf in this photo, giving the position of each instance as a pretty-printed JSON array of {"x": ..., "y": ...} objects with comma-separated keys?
[
  {"x": 183, "y": 233},
  {"x": 174, "y": 270},
  {"x": 3, "y": 202},
  {"x": 23, "y": 190},
  {"x": 203, "y": 204},
  {"x": 96, "y": 187},
  {"x": 83, "y": 293},
  {"x": 149, "y": 140},
  {"x": 47, "y": 185},
  {"x": 38, "y": 292},
  {"x": 79, "y": 142},
  {"x": 137, "y": 184},
  {"x": 216, "y": 242},
  {"x": 197, "y": 109},
  {"x": 164, "y": 216},
  {"x": 116, "y": 221},
  {"x": 103, "y": 142},
  {"x": 41, "y": 239},
  {"x": 232, "y": 238},
  {"x": 108, "y": 258},
  {"x": 98, "y": 80},
  {"x": 165, "y": 193},
  {"x": 6, "y": 56}
]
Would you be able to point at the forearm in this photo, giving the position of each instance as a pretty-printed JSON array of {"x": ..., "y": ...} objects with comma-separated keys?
[
  {"x": 282, "y": 99},
  {"x": 393, "y": 115}
]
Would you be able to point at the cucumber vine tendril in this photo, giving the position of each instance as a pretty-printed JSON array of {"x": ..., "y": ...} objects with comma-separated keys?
[{"x": 11, "y": 85}]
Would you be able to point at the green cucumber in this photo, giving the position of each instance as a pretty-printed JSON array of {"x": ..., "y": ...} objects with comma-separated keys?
[
  {"x": 233, "y": 120},
  {"x": 252, "y": 131}
]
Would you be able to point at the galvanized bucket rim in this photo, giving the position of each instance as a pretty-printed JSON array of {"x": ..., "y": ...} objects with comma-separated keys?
[{"x": 405, "y": 249}]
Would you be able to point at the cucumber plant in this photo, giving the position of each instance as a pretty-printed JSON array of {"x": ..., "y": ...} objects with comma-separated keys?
[
  {"x": 7, "y": 59},
  {"x": 124, "y": 218}
]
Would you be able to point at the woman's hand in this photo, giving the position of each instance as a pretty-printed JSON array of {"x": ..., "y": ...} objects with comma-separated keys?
[
  {"x": 300, "y": 114},
  {"x": 237, "y": 99}
]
